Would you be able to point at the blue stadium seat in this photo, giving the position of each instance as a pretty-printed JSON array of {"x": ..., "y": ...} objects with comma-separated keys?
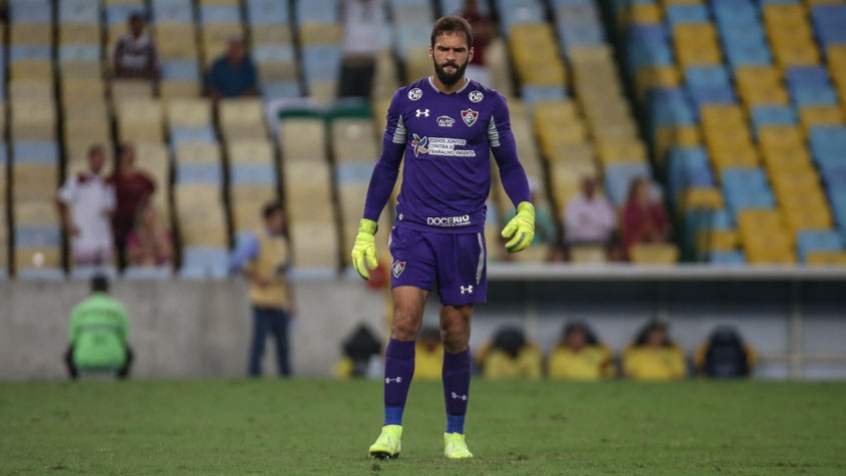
[
  {"x": 30, "y": 52},
  {"x": 727, "y": 258},
  {"x": 535, "y": 94},
  {"x": 671, "y": 106},
  {"x": 204, "y": 262},
  {"x": 180, "y": 70},
  {"x": 89, "y": 53},
  {"x": 748, "y": 55},
  {"x": 521, "y": 14},
  {"x": 354, "y": 173},
  {"x": 40, "y": 152},
  {"x": 38, "y": 237},
  {"x": 30, "y": 11},
  {"x": 41, "y": 274},
  {"x": 749, "y": 179},
  {"x": 182, "y": 135},
  {"x": 152, "y": 273},
  {"x": 807, "y": 76},
  {"x": 810, "y": 241},
  {"x": 173, "y": 11},
  {"x": 702, "y": 96},
  {"x": 648, "y": 34},
  {"x": 281, "y": 90},
  {"x": 120, "y": 13},
  {"x": 267, "y": 12},
  {"x": 688, "y": 168},
  {"x": 252, "y": 174},
  {"x": 321, "y": 63},
  {"x": 449, "y": 7},
  {"x": 79, "y": 12},
  {"x": 216, "y": 14},
  {"x": 412, "y": 35},
  {"x": 580, "y": 35},
  {"x": 576, "y": 14},
  {"x": 828, "y": 143},
  {"x": 198, "y": 173},
  {"x": 735, "y": 14},
  {"x": 618, "y": 178},
  {"x": 706, "y": 76},
  {"x": 772, "y": 116},
  {"x": 274, "y": 53},
  {"x": 678, "y": 14},
  {"x": 317, "y": 11},
  {"x": 86, "y": 272},
  {"x": 722, "y": 219},
  {"x": 649, "y": 55},
  {"x": 814, "y": 96},
  {"x": 740, "y": 199},
  {"x": 735, "y": 35}
]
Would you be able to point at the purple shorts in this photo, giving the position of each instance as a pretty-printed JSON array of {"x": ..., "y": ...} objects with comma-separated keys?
[{"x": 455, "y": 262}]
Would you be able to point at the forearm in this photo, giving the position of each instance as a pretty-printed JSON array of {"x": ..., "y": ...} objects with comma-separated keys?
[
  {"x": 382, "y": 180},
  {"x": 515, "y": 183}
]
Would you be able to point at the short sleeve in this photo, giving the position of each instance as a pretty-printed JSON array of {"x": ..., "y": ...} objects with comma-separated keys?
[{"x": 67, "y": 194}]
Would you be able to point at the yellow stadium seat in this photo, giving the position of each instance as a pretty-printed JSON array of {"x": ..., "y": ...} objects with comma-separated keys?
[
  {"x": 582, "y": 154},
  {"x": 320, "y": 34},
  {"x": 271, "y": 34},
  {"x": 801, "y": 55},
  {"x": 702, "y": 56},
  {"x": 31, "y": 34},
  {"x": 35, "y": 213},
  {"x": 719, "y": 240},
  {"x": 723, "y": 115},
  {"x": 277, "y": 71},
  {"x": 129, "y": 89},
  {"x": 694, "y": 33},
  {"x": 656, "y": 77},
  {"x": 788, "y": 159},
  {"x": 188, "y": 197},
  {"x": 315, "y": 245},
  {"x": 170, "y": 90},
  {"x": 777, "y": 14},
  {"x": 189, "y": 113},
  {"x": 253, "y": 194},
  {"x": 820, "y": 116},
  {"x": 623, "y": 131},
  {"x": 208, "y": 231},
  {"x": 215, "y": 39},
  {"x": 780, "y": 138},
  {"x": 354, "y": 140},
  {"x": 628, "y": 151},
  {"x": 140, "y": 132},
  {"x": 554, "y": 113},
  {"x": 751, "y": 222},
  {"x": 734, "y": 138},
  {"x": 588, "y": 255},
  {"x": 176, "y": 42},
  {"x": 94, "y": 110},
  {"x": 139, "y": 111},
  {"x": 82, "y": 91},
  {"x": 240, "y": 112},
  {"x": 34, "y": 181},
  {"x": 250, "y": 151},
  {"x": 654, "y": 254},
  {"x": 645, "y": 13},
  {"x": 31, "y": 70},
  {"x": 91, "y": 131},
  {"x": 302, "y": 139},
  {"x": 79, "y": 34},
  {"x": 702, "y": 198},
  {"x": 82, "y": 70},
  {"x": 805, "y": 219},
  {"x": 198, "y": 152},
  {"x": 29, "y": 89},
  {"x": 792, "y": 182},
  {"x": 246, "y": 216},
  {"x": 42, "y": 257},
  {"x": 826, "y": 258},
  {"x": 757, "y": 96}
]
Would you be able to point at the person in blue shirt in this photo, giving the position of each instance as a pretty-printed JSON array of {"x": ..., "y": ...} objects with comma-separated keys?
[{"x": 233, "y": 74}]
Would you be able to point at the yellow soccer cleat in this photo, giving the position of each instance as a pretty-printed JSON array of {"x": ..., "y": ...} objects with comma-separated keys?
[
  {"x": 388, "y": 445},
  {"x": 455, "y": 447}
]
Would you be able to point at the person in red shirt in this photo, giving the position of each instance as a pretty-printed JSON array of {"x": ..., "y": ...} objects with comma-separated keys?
[
  {"x": 484, "y": 31},
  {"x": 132, "y": 188},
  {"x": 644, "y": 219}
]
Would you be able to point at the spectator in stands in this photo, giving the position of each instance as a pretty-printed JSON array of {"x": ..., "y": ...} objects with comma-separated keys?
[
  {"x": 429, "y": 359},
  {"x": 510, "y": 356},
  {"x": 653, "y": 356},
  {"x": 99, "y": 334},
  {"x": 363, "y": 30},
  {"x": 132, "y": 187},
  {"x": 544, "y": 224},
  {"x": 92, "y": 202},
  {"x": 589, "y": 218},
  {"x": 233, "y": 74},
  {"x": 580, "y": 356},
  {"x": 725, "y": 355},
  {"x": 135, "y": 55},
  {"x": 263, "y": 260},
  {"x": 149, "y": 244},
  {"x": 484, "y": 31},
  {"x": 360, "y": 350},
  {"x": 644, "y": 219}
]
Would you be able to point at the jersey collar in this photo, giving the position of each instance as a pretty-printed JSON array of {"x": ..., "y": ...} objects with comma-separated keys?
[{"x": 462, "y": 88}]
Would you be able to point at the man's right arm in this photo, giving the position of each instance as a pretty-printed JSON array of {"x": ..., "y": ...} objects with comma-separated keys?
[{"x": 386, "y": 171}]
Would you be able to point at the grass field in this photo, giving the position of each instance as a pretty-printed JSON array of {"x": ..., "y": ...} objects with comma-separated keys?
[{"x": 324, "y": 427}]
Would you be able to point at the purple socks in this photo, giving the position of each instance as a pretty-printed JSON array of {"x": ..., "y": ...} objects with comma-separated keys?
[
  {"x": 456, "y": 377},
  {"x": 399, "y": 369}
]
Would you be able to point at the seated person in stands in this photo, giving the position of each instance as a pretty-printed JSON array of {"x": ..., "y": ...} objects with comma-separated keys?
[
  {"x": 545, "y": 232},
  {"x": 359, "y": 350},
  {"x": 644, "y": 219},
  {"x": 133, "y": 187},
  {"x": 589, "y": 218},
  {"x": 149, "y": 244},
  {"x": 510, "y": 356},
  {"x": 580, "y": 356},
  {"x": 135, "y": 55},
  {"x": 725, "y": 355},
  {"x": 653, "y": 356},
  {"x": 233, "y": 74},
  {"x": 429, "y": 358},
  {"x": 99, "y": 334},
  {"x": 91, "y": 200}
]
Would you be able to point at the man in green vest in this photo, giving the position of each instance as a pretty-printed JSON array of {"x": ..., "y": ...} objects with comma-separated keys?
[
  {"x": 263, "y": 260},
  {"x": 99, "y": 334}
]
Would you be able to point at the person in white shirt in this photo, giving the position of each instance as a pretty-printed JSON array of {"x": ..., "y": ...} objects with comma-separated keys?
[
  {"x": 364, "y": 24},
  {"x": 589, "y": 218},
  {"x": 91, "y": 200}
]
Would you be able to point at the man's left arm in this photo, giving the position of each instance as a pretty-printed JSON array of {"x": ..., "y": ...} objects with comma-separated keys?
[{"x": 521, "y": 228}]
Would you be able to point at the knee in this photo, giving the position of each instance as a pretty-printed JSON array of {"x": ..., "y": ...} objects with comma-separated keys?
[
  {"x": 406, "y": 325},
  {"x": 455, "y": 334}
]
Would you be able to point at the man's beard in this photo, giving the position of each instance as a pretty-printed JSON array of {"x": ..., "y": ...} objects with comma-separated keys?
[{"x": 449, "y": 79}]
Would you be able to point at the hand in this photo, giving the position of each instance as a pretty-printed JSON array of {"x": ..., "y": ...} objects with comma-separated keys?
[
  {"x": 364, "y": 249},
  {"x": 521, "y": 228}
]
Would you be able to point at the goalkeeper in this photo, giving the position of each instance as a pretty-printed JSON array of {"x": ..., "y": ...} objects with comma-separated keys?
[{"x": 446, "y": 126}]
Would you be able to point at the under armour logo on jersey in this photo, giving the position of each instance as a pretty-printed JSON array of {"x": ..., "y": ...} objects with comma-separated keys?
[
  {"x": 467, "y": 289},
  {"x": 397, "y": 380},
  {"x": 456, "y": 396},
  {"x": 422, "y": 112}
]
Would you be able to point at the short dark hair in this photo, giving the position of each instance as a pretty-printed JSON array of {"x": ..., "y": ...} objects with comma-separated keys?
[
  {"x": 96, "y": 148},
  {"x": 272, "y": 208},
  {"x": 451, "y": 24},
  {"x": 99, "y": 283}
]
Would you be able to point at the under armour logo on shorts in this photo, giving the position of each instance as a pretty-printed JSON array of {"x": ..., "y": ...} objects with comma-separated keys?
[{"x": 467, "y": 289}]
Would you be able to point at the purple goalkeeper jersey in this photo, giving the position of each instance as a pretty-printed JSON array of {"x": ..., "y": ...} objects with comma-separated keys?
[{"x": 447, "y": 140}]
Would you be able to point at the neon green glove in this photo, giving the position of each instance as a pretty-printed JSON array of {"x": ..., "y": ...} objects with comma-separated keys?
[
  {"x": 521, "y": 228},
  {"x": 364, "y": 249}
]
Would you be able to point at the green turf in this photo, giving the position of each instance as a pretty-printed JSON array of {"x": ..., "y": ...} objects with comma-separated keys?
[{"x": 325, "y": 427}]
